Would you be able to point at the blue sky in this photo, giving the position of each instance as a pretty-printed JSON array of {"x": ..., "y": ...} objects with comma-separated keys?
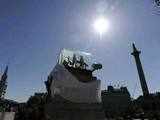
[{"x": 32, "y": 33}]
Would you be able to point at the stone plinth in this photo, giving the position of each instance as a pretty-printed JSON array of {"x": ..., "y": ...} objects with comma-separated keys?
[
  {"x": 60, "y": 109},
  {"x": 73, "y": 94},
  {"x": 7, "y": 115},
  {"x": 65, "y": 84}
]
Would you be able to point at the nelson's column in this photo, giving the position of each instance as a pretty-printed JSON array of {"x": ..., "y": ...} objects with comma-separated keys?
[{"x": 144, "y": 86}]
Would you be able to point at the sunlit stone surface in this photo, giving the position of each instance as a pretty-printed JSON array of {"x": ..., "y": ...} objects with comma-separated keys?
[{"x": 67, "y": 86}]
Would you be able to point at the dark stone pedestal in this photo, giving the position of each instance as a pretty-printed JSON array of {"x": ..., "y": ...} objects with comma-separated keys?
[{"x": 60, "y": 109}]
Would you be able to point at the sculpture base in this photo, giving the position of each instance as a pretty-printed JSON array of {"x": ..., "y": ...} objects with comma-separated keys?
[{"x": 60, "y": 109}]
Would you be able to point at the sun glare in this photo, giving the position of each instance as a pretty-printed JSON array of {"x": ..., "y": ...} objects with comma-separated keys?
[{"x": 101, "y": 25}]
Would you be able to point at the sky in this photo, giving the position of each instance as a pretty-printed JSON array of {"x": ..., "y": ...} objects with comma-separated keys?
[{"x": 33, "y": 32}]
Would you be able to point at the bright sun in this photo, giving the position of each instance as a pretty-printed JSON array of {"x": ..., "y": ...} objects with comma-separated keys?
[{"x": 101, "y": 25}]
